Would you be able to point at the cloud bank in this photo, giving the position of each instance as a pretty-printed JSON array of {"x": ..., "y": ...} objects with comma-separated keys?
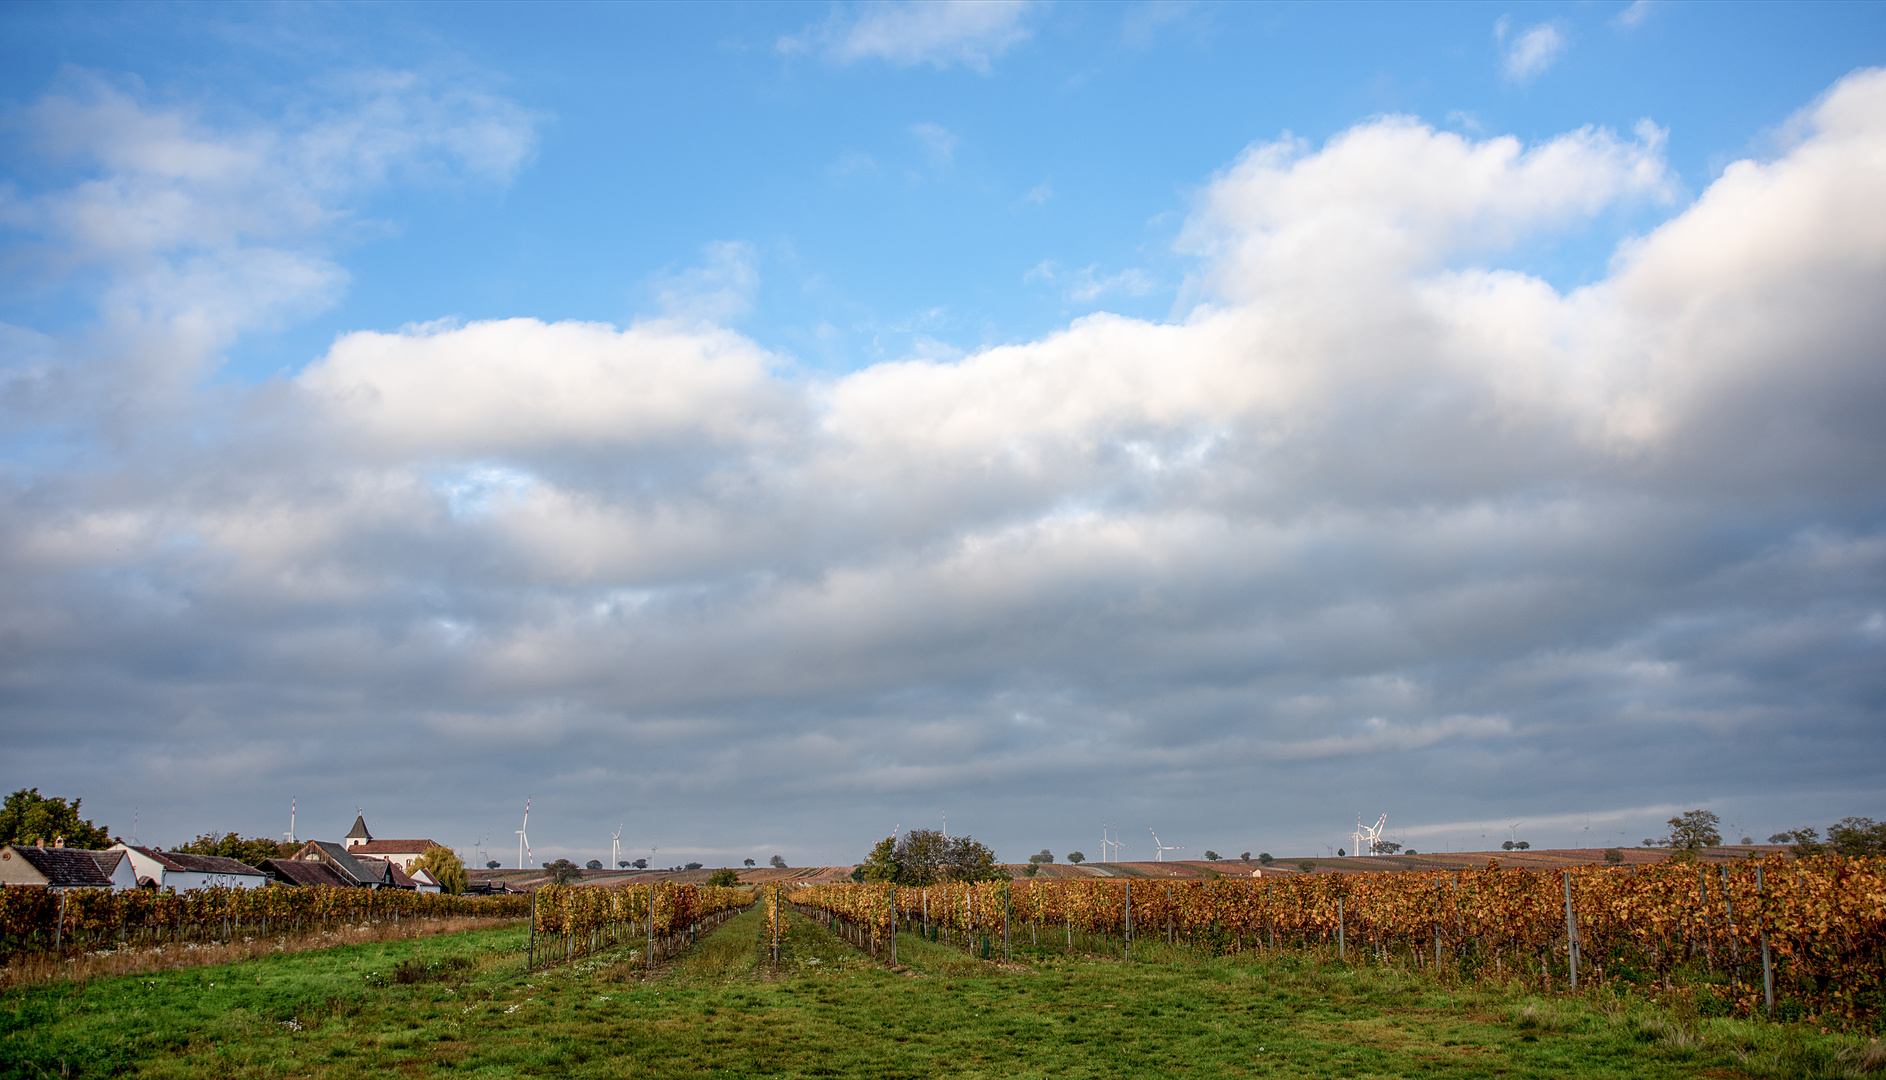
[{"x": 1373, "y": 520}]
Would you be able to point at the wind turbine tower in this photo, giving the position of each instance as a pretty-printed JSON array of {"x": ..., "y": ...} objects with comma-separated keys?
[
  {"x": 1161, "y": 856},
  {"x": 523, "y": 838},
  {"x": 290, "y": 834},
  {"x": 615, "y": 846}
]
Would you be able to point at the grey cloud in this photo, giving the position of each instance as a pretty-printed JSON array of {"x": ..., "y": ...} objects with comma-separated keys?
[{"x": 1431, "y": 537}]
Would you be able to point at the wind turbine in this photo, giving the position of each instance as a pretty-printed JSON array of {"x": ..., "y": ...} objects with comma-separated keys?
[
  {"x": 523, "y": 840},
  {"x": 1161, "y": 857},
  {"x": 615, "y": 846},
  {"x": 1369, "y": 834}
]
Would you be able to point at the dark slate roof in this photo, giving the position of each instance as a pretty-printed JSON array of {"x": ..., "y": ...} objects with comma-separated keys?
[
  {"x": 392, "y": 847},
  {"x": 66, "y": 867},
  {"x": 207, "y": 864},
  {"x": 296, "y": 872},
  {"x": 359, "y": 830},
  {"x": 336, "y": 855}
]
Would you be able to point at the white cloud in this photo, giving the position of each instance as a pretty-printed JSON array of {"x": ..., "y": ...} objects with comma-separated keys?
[
  {"x": 1529, "y": 52},
  {"x": 1633, "y": 15},
  {"x": 942, "y": 34},
  {"x": 938, "y": 143}
]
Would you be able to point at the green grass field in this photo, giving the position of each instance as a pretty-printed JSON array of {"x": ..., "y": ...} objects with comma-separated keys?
[{"x": 464, "y": 1005}]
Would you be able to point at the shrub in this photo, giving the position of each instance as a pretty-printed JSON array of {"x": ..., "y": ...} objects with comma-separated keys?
[{"x": 726, "y": 877}]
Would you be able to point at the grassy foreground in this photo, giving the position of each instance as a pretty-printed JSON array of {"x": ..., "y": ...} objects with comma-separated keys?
[{"x": 464, "y": 1005}]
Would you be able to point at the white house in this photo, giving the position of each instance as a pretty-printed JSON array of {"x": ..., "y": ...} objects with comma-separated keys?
[{"x": 183, "y": 872}]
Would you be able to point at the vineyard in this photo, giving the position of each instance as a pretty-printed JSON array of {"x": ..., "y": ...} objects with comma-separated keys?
[
  {"x": 1793, "y": 939},
  {"x": 35, "y": 920},
  {"x": 570, "y": 921}
]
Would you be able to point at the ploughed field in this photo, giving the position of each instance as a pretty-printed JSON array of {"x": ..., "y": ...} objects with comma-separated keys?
[{"x": 465, "y": 1004}]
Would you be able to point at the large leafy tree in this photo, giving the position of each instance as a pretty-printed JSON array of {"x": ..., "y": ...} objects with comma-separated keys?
[
  {"x": 1694, "y": 829},
  {"x": 27, "y": 816},
  {"x": 1857, "y": 836},
  {"x": 926, "y": 856},
  {"x": 445, "y": 867},
  {"x": 230, "y": 846}
]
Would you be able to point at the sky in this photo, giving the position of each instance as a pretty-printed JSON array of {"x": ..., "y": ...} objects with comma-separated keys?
[{"x": 756, "y": 428}]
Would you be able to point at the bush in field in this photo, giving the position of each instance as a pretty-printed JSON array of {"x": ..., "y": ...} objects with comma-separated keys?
[
  {"x": 1614, "y": 856},
  {"x": 692, "y": 866},
  {"x": 1045, "y": 856},
  {"x": 593, "y": 864},
  {"x": 1210, "y": 855},
  {"x": 749, "y": 862},
  {"x": 779, "y": 862},
  {"x": 1306, "y": 866},
  {"x": 1031, "y": 869},
  {"x": 563, "y": 871},
  {"x": 725, "y": 877},
  {"x": 1076, "y": 858},
  {"x": 445, "y": 867},
  {"x": 492, "y": 865}
]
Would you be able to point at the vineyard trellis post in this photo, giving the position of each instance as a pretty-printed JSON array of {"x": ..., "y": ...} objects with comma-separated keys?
[
  {"x": 530, "y": 957},
  {"x": 1571, "y": 932},
  {"x": 651, "y": 927},
  {"x": 58, "y": 931},
  {"x": 1126, "y": 932},
  {"x": 1341, "y": 944},
  {"x": 1728, "y": 907},
  {"x": 1005, "y": 921},
  {"x": 1768, "y": 964}
]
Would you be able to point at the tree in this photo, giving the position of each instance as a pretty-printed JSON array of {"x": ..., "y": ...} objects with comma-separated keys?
[
  {"x": 445, "y": 867},
  {"x": 231, "y": 846},
  {"x": 779, "y": 862},
  {"x": 1613, "y": 856},
  {"x": 1045, "y": 856},
  {"x": 1781, "y": 838},
  {"x": 1411, "y": 851},
  {"x": 1306, "y": 866},
  {"x": 1856, "y": 837},
  {"x": 27, "y": 816},
  {"x": 1748, "y": 839},
  {"x": 563, "y": 871},
  {"x": 926, "y": 856},
  {"x": 1341, "y": 853},
  {"x": 1210, "y": 855},
  {"x": 622, "y": 865},
  {"x": 1265, "y": 857},
  {"x": 1693, "y": 829},
  {"x": 749, "y": 862},
  {"x": 1031, "y": 869},
  {"x": 1076, "y": 858},
  {"x": 1246, "y": 856},
  {"x": 492, "y": 865},
  {"x": 1523, "y": 845},
  {"x": 693, "y": 866},
  {"x": 593, "y": 864},
  {"x": 1384, "y": 847},
  {"x": 726, "y": 877},
  {"x": 881, "y": 864},
  {"x": 640, "y": 864},
  {"x": 1507, "y": 845}
]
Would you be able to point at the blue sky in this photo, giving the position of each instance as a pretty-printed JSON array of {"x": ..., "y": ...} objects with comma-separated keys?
[{"x": 984, "y": 407}]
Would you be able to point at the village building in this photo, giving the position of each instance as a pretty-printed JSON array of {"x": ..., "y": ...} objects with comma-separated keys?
[
  {"x": 404, "y": 852},
  {"x": 60, "y": 868},
  {"x": 180, "y": 871},
  {"x": 323, "y": 862}
]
